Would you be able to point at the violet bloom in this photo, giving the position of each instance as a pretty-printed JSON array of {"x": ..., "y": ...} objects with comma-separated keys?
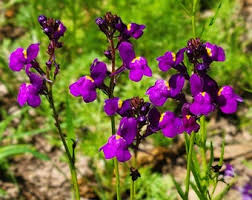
[
  {"x": 30, "y": 93},
  {"x": 84, "y": 87},
  {"x": 60, "y": 31},
  {"x": 139, "y": 67},
  {"x": 98, "y": 72},
  {"x": 116, "y": 147},
  {"x": 21, "y": 57},
  {"x": 135, "y": 30},
  {"x": 153, "y": 118},
  {"x": 159, "y": 93},
  {"x": 126, "y": 52},
  {"x": 214, "y": 52},
  {"x": 229, "y": 171},
  {"x": 246, "y": 191},
  {"x": 170, "y": 59},
  {"x": 202, "y": 104},
  {"x": 128, "y": 129},
  {"x": 113, "y": 105},
  {"x": 228, "y": 100},
  {"x": 170, "y": 124}
]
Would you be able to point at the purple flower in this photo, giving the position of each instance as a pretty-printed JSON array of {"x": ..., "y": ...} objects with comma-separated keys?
[
  {"x": 84, "y": 87},
  {"x": 126, "y": 108},
  {"x": 111, "y": 106},
  {"x": 190, "y": 124},
  {"x": 128, "y": 129},
  {"x": 60, "y": 31},
  {"x": 214, "y": 52},
  {"x": 28, "y": 94},
  {"x": 170, "y": 124},
  {"x": 228, "y": 100},
  {"x": 135, "y": 30},
  {"x": 246, "y": 191},
  {"x": 126, "y": 52},
  {"x": 98, "y": 71},
  {"x": 139, "y": 67},
  {"x": 159, "y": 93},
  {"x": 170, "y": 59},
  {"x": 176, "y": 84},
  {"x": 116, "y": 147},
  {"x": 202, "y": 104},
  {"x": 196, "y": 84},
  {"x": 153, "y": 118},
  {"x": 229, "y": 171},
  {"x": 21, "y": 57}
]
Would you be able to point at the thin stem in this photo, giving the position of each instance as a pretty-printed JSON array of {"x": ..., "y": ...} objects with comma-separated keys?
[
  {"x": 203, "y": 146},
  {"x": 189, "y": 161},
  {"x": 132, "y": 190},
  {"x": 70, "y": 161},
  {"x": 111, "y": 91},
  {"x": 193, "y": 18}
]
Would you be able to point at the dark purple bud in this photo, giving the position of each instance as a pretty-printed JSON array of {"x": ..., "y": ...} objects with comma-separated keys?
[
  {"x": 57, "y": 22},
  {"x": 141, "y": 120},
  {"x": 102, "y": 24},
  {"x": 49, "y": 64},
  {"x": 42, "y": 19},
  {"x": 107, "y": 53},
  {"x": 145, "y": 108}
]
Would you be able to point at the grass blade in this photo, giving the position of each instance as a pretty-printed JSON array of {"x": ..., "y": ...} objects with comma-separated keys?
[{"x": 9, "y": 151}]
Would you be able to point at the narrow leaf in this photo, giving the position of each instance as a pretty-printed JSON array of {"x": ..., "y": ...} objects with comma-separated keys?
[
  {"x": 9, "y": 151},
  {"x": 179, "y": 189}
]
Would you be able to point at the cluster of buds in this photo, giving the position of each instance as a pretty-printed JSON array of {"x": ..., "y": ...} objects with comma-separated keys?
[
  {"x": 25, "y": 59},
  {"x": 54, "y": 29}
]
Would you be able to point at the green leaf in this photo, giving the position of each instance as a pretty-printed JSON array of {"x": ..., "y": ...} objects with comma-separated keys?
[
  {"x": 9, "y": 151},
  {"x": 225, "y": 190},
  {"x": 179, "y": 189},
  {"x": 222, "y": 153},
  {"x": 211, "y": 157},
  {"x": 197, "y": 180},
  {"x": 201, "y": 197}
]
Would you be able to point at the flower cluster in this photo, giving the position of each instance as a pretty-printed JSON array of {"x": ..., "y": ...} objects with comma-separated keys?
[
  {"x": 25, "y": 59},
  {"x": 206, "y": 93},
  {"x": 139, "y": 119},
  {"x": 137, "y": 66}
]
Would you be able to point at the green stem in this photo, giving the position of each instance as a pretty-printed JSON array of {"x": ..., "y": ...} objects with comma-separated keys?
[
  {"x": 189, "y": 161},
  {"x": 203, "y": 145},
  {"x": 112, "y": 80},
  {"x": 132, "y": 190},
  {"x": 116, "y": 163},
  {"x": 69, "y": 157},
  {"x": 117, "y": 179},
  {"x": 193, "y": 18}
]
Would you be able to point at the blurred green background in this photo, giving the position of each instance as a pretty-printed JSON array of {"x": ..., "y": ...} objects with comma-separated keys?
[{"x": 168, "y": 27}]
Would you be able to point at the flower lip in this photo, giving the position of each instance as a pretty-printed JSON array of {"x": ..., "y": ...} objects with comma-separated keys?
[{"x": 129, "y": 27}]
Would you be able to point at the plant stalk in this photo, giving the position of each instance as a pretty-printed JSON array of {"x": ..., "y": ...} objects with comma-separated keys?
[
  {"x": 111, "y": 95},
  {"x": 69, "y": 157},
  {"x": 189, "y": 161}
]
